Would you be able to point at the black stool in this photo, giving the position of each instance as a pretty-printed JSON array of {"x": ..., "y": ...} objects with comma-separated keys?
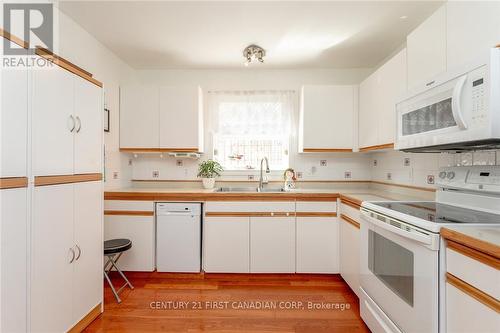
[{"x": 113, "y": 250}]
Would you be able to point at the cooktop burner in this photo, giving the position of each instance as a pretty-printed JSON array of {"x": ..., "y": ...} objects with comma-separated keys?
[{"x": 440, "y": 213}]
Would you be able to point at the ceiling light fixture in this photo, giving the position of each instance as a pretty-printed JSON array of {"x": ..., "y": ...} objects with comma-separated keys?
[
  {"x": 404, "y": 17},
  {"x": 253, "y": 53}
]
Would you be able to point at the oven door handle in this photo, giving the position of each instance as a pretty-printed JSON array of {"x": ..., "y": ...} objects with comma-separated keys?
[{"x": 404, "y": 230}]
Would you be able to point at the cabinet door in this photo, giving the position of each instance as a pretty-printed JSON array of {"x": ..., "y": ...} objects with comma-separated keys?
[
  {"x": 472, "y": 29},
  {"x": 51, "y": 267},
  {"x": 368, "y": 109},
  {"x": 426, "y": 47},
  {"x": 180, "y": 117},
  {"x": 87, "y": 291},
  {"x": 141, "y": 231},
  {"x": 89, "y": 131},
  {"x": 272, "y": 244},
  {"x": 13, "y": 242},
  {"x": 317, "y": 245},
  {"x": 349, "y": 255},
  {"x": 139, "y": 117},
  {"x": 53, "y": 121},
  {"x": 13, "y": 121},
  {"x": 392, "y": 87},
  {"x": 226, "y": 244},
  {"x": 327, "y": 117}
]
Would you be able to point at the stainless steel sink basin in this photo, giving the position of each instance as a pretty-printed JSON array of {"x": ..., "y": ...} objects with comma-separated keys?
[{"x": 250, "y": 189}]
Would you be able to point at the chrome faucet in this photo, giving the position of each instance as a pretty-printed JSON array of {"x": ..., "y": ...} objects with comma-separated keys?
[{"x": 261, "y": 180}]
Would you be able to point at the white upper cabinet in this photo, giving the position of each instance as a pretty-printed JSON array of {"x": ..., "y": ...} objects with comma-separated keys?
[
  {"x": 181, "y": 118},
  {"x": 139, "y": 114},
  {"x": 13, "y": 121},
  {"x": 327, "y": 118},
  {"x": 427, "y": 50},
  {"x": 378, "y": 95},
  {"x": 472, "y": 29}
]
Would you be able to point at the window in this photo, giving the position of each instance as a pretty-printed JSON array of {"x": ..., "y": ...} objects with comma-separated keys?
[{"x": 248, "y": 126}]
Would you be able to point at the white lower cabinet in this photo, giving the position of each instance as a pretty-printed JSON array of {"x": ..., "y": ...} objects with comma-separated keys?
[
  {"x": 13, "y": 250},
  {"x": 349, "y": 255},
  {"x": 272, "y": 244},
  {"x": 317, "y": 245},
  {"x": 66, "y": 264},
  {"x": 226, "y": 244}
]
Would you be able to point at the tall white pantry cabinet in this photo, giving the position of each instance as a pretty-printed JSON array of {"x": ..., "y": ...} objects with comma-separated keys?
[{"x": 51, "y": 199}]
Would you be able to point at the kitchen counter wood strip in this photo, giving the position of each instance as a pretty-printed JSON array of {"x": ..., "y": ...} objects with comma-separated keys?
[
  {"x": 13, "y": 182},
  {"x": 377, "y": 147},
  {"x": 87, "y": 320},
  {"x": 473, "y": 292},
  {"x": 249, "y": 214},
  {"x": 354, "y": 203},
  {"x": 474, "y": 254},
  {"x": 490, "y": 249},
  {"x": 66, "y": 179},
  {"x": 63, "y": 63},
  {"x": 7, "y": 35},
  {"x": 350, "y": 221},
  {"x": 315, "y": 214},
  {"x": 129, "y": 212},
  {"x": 327, "y": 150},
  {"x": 159, "y": 150}
]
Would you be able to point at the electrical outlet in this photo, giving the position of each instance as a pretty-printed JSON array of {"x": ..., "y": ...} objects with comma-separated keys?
[
  {"x": 129, "y": 162},
  {"x": 251, "y": 177},
  {"x": 179, "y": 163},
  {"x": 299, "y": 174},
  {"x": 322, "y": 163},
  {"x": 389, "y": 176},
  {"x": 115, "y": 174},
  {"x": 430, "y": 179},
  {"x": 406, "y": 162},
  {"x": 156, "y": 174},
  {"x": 375, "y": 162},
  {"x": 347, "y": 175}
]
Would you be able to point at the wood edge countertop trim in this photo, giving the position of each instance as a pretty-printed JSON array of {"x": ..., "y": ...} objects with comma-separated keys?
[
  {"x": 129, "y": 212},
  {"x": 474, "y": 254},
  {"x": 16, "y": 40},
  {"x": 473, "y": 292},
  {"x": 327, "y": 150},
  {"x": 270, "y": 214},
  {"x": 85, "y": 321},
  {"x": 472, "y": 247},
  {"x": 349, "y": 201},
  {"x": 13, "y": 182},
  {"x": 67, "y": 179},
  {"x": 377, "y": 147},
  {"x": 67, "y": 65},
  {"x": 350, "y": 221},
  {"x": 159, "y": 150}
]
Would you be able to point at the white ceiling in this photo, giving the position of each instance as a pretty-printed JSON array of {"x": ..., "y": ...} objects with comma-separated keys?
[{"x": 213, "y": 34}]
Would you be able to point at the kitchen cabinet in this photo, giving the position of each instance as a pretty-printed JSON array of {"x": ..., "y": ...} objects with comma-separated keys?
[
  {"x": 327, "y": 118},
  {"x": 67, "y": 124},
  {"x": 139, "y": 116},
  {"x": 14, "y": 259},
  {"x": 426, "y": 47},
  {"x": 272, "y": 244},
  {"x": 181, "y": 118},
  {"x": 350, "y": 244},
  {"x": 133, "y": 220},
  {"x": 472, "y": 29},
  {"x": 226, "y": 244},
  {"x": 378, "y": 95},
  {"x": 14, "y": 121}
]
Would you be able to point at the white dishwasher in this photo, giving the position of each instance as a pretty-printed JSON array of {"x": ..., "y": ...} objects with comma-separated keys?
[{"x": 178, "y": 237}]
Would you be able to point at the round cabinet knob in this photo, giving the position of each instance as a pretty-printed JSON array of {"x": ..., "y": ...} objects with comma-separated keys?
[
  {"x": 450, "y": 175},
  {"x": 442, "y": 174}
]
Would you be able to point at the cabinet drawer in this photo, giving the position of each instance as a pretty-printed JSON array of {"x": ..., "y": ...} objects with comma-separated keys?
[
  {"x": 351, "y": 212},
  {"x": 125, "y": 205},
  {"x": 249, "y": 206},
  {"x": 478, "y": 274},
  {"x": 317, "y": 207}
]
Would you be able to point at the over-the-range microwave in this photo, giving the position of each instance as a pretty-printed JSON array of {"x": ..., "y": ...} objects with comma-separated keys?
[{"x": 458, "y": 111}]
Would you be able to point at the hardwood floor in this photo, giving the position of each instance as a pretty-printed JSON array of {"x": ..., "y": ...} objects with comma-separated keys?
[{"x": 268, "y": 300}]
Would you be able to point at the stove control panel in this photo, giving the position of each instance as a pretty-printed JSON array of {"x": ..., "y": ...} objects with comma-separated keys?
[{"x": 472, "y": 178}]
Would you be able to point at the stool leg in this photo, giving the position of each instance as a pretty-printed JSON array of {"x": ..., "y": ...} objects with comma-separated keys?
[
  {"x": 113, "y": 264},
  {"x": 112, "y": 287}
]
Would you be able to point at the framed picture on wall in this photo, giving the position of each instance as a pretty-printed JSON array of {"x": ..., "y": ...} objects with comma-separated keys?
[{"x": 106, "y": 120}]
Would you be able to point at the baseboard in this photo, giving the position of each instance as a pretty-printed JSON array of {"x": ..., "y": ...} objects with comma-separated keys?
[{"x": 85, "y": 321}]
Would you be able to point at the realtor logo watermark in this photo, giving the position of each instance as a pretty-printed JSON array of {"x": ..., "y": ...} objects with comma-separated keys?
[{"x": 33, "y": 23}]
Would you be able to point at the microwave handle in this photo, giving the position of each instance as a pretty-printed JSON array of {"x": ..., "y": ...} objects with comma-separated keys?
[{"x": 456, "y": 108}]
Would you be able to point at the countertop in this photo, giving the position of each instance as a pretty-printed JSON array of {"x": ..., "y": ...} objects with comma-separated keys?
[{"x": 484, "y": 239}]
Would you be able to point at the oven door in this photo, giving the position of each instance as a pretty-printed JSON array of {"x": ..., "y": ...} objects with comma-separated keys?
[{"x": 399, "y": 275}]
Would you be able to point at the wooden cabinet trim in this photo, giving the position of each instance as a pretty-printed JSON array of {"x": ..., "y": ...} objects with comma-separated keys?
[
  {"x": 13, "y": 182},
  {"x": 7, "y": 35},
  {"x": 377, "y": 147},
  {"x": 63, "y": 63},
  {"x": 350, "y": 221},
  {"x": 474, "y": 254},
  {"x": 159, "y": 150},
  {"x": 67, "y": 179},
  {"x": 129, "y": 212},
  {"x": 327, "y": 150},
  {"x": 249, "y": 214},
  {"x": 85, "y": 321},
  {"x": 486, "y": 248},
  {"x": 315, "y": 214},
  {"x": 354, "y": 203},
  {"x": 473, "y": 292}
]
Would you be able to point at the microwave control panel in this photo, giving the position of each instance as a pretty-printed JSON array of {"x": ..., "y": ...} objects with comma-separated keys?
[{"x": 478, "y": 96}]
